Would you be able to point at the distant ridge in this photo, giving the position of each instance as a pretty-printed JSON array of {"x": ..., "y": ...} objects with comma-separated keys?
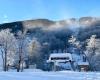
[{"x": 47, "y": 24}]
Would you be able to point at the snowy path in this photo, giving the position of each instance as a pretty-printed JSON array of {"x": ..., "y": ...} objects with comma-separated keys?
[{"x": 49, "y": 76}]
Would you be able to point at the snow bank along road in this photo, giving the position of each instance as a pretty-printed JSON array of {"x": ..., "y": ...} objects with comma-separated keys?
[{"x": 49, "y": 76}]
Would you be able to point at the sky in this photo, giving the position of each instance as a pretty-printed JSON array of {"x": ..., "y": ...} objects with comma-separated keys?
[{"x": 17, "y": 10}]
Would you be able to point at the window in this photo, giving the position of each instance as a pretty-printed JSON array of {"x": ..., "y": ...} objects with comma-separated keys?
[{"x": 60, "y": 58}]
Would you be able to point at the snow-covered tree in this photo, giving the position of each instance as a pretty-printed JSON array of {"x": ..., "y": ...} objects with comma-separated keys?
[
  {"x": 34, "y": 48},
  {"x": 91, "y": 50},
  {"x": 72, "y": 39},
  {"x": 74, "y": 44},
  {"x": 91, "y": 46},
  {"x": 8, "y": 47},
  {"x": 22, "y": 52}
]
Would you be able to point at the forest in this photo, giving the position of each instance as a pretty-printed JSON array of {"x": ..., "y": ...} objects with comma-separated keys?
[{"x": 31, "y": 42}]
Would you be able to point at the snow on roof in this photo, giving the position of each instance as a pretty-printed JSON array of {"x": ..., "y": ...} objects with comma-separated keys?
[
  {"x": 83, "y": 63},
  {"x": 60, "y": 56}
]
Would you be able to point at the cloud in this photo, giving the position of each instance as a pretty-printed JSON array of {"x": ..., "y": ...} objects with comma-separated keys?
[{"x": 5, "y": 18}]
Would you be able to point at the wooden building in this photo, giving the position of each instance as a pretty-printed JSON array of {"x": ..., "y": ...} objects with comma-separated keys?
[{"x": 83, "y": 66}]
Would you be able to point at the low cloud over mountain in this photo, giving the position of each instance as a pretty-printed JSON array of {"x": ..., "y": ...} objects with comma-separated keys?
[{"x": 52, "y": 25}]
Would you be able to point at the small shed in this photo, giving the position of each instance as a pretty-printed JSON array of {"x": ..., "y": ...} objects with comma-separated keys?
[{"x": 83, "y": 66}]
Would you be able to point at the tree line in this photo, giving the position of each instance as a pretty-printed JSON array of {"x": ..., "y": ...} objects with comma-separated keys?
[{"x": 35, "y": 46}]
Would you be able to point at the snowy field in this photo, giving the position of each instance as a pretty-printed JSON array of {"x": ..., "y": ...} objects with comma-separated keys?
[{"x": 64, "y": 75}]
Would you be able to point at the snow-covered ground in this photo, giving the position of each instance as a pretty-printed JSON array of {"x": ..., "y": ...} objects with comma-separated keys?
[{"x": 40, "y": 75}]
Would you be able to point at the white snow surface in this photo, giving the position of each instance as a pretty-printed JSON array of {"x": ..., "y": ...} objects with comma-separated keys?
[
  {"x": 83, "y": 63},
  {"x": 60, "y": 55},
  {"x": 41, "y": 75}
]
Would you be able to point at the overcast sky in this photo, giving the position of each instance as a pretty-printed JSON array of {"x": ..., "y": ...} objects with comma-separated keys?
[{"x": 15, "y": 10}]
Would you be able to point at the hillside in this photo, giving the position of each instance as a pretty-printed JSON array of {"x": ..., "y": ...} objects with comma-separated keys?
[
  {"x": 55, "y": 33},
  {"x": 78, "y": 26}
]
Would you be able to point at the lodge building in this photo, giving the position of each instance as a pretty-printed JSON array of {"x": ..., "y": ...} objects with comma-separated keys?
[{"x": 68, "y": 61}]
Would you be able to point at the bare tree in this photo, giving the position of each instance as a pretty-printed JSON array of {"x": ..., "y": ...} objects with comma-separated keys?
[
  {"x": 8, "y": 47},
  {"x": 91, "y": 50},
  {"x": 34, "y": 48},
  {"x": 22, "y": 50}
]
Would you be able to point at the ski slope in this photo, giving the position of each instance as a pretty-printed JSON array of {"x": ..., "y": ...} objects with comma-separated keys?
[{"x": 64, "y": 75}]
